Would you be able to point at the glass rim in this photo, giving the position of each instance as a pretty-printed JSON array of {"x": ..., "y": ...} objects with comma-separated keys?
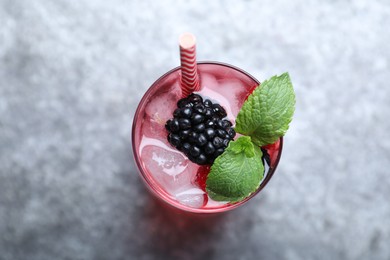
[{"x": 161, "y": 193}]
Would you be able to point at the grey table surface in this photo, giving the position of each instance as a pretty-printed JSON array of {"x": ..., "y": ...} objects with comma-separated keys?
[{"x": 72, "y": 73}]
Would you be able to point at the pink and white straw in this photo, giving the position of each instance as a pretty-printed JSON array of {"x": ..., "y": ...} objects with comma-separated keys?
[{"x": 189, "y": 69}]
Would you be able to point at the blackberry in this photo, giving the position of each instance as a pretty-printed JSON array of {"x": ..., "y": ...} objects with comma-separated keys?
[
  {"x": 231, "y": 132},
  {"x": 221, "y": 133},
  {"x": 186, "y": 112},
  {"x": 218, "y": 152},
  {"x": 208, "y": 112},
  {"x": 195, "y": 99},
  {"x": 173, "y": 125},
  {"x": 195, "y": 151},
  {"x": 201, "y": 159},
  {"x": 208, "y": 103},
  {"x": 209, "y": 148},
  {"x": 174, "y": 140},
  {"x": 184, "y": 123},
  {"x": 184, "y": 134},
  {"x": 202, "y": 140},
  {"x": 210, "y": 133},
  {"x": 185, "y": 148},
  {"x": 199, "y": 129},
  {"x": 197, "y": 118},
  {"x": 217, "y": 142},
  {"x": 210, "y": 123},
  {"x": 218, "y": 109},
  {"x": 177, "y": 112},
  {"x": 193, "y": 137}
]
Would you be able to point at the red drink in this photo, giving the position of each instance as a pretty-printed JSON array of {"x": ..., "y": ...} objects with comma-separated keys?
[{"x": 167, "y": 172}]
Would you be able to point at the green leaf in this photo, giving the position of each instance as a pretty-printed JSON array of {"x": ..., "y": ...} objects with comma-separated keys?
[
  {"x": 237, "y": 172},
  {"x": 268, "y": 111}
]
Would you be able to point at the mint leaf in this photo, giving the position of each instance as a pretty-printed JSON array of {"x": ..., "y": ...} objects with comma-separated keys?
[
  {"x": 268, "y": 111},
  {"x": 237, "y": 172}
]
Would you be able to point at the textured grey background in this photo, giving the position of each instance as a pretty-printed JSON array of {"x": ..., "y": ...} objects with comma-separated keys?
[{"x": 72, "y": 73}]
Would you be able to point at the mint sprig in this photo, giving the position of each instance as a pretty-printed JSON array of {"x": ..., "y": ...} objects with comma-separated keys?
[
  {"x": 236, "y": 173},
  {"x": 263, "y": 119},
  {"x": 266, "y": 114}
]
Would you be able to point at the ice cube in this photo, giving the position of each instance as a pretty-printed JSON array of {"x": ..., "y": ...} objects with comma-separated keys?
[
  {"x": 229, "y": 92},
  {"x": 208, "y": 80},
  {"x": 215, "y": 204},
  {"x": 162, "y": 105},
  {"x": 192, "y": 197},
  {"x": 159, "y": 109},
  {"x": 235, "y": 92},
  {"x": 165, "y": 165},
  {"x": 154, "y": 128}
]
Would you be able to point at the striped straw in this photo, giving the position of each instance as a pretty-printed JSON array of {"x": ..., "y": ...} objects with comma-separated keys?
[{"x": 189, "y": 70}]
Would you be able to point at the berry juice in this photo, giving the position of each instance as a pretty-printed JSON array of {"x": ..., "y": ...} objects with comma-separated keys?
[{"x": 168, "y": 172}]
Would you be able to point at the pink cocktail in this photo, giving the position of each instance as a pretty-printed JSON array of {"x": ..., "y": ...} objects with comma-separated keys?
[{"x": 167, "y": 172}]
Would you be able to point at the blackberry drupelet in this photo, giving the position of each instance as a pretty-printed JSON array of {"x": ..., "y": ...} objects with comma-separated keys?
[{"x": 199, "y": 129}]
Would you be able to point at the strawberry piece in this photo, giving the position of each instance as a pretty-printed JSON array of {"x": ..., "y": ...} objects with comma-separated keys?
[
  {"x": 201, "y": 176},
  {"x": 272, "y": 150},
  {"x": 251, "y": 91}
]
